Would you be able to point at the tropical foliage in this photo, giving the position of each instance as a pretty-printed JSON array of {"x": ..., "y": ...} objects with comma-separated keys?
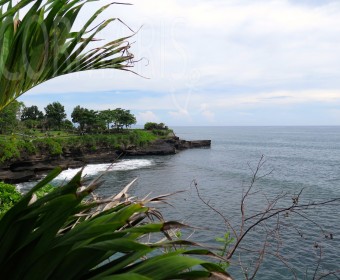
[
  {"x": 14, "y": 147},
  {"x": 153, "y": 125},
  {"x": 31, "y": 113},
  {"x": 43, "y": 45},
  {"x": 55, "y": 115},
  {"x": 8, "y": 197},
  {"x": 17, "y": 116},
  {"x": 64, "y": 236},
  {"x": 9, "y": 117}
]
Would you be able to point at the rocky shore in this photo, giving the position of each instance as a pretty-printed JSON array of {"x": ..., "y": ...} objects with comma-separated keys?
[{"x": 32, "y": 167}]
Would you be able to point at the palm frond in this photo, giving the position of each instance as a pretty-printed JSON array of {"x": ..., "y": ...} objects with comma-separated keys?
[{"x": 42, "y": 45}]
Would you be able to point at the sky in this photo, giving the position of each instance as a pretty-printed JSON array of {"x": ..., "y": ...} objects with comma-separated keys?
[{"x": 217, "y": 62}]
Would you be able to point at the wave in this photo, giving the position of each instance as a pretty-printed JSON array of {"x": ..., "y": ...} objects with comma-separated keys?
[
  {"x": 93, "y": 170},
  {"x": 96, "y": 169}
]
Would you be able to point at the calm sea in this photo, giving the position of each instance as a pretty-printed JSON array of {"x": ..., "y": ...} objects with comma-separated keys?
[{"x": 296, "y": 158}]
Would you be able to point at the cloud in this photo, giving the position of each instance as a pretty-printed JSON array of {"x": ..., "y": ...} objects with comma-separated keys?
[
  {"x": 275, "y": 98},
  {"x": 180, "y": 114},
  {"x": 147, "y": 116},
  {"x": 209, "y": 115},
  {"x": 208, "y": 56}
]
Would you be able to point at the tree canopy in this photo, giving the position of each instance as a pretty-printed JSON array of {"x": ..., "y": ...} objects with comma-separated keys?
[
  {"x": 32, "y": 113},
  {"x": 123, "y": 118},
  {"x": 55, "y": 114},
  {"x": 87, "y": 119},
  {"x": 55, "y": 118},
  {"x": 9, "y": 117},
  {"x": 153, "y": 125}
]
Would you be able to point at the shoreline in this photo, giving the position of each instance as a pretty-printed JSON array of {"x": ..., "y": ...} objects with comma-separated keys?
[{"x": 33, "y": 167}]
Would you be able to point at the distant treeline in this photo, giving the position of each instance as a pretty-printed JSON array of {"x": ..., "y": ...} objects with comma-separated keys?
[{"x": 17, "y": 117}]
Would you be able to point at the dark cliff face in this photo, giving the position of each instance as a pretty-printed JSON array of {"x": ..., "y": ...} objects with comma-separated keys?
[{"x": 31, "y": 167}]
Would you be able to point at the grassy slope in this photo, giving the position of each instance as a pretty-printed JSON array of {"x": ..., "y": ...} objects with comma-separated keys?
[{"x": 54, "y": 143}]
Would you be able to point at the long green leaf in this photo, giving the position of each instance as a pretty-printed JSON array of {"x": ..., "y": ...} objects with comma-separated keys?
[{"x": 43, "y": 46}]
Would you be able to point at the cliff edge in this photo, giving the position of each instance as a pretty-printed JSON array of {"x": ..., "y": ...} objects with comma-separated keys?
[{"x": 32, "y": 167}]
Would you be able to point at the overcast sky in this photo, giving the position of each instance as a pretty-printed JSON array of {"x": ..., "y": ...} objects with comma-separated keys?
[{"x": 217, "y": 62}]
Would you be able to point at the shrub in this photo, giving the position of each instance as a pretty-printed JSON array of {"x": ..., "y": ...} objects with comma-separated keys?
[
  {"x": 8, "y": 197},
  {"x": 26, "y": 146},
  {"x": 8, "y": 150},
  {"x": 52, "y": 146},
  {"x": 153, "y": 125},
  {"x": 160, "y": 132}
]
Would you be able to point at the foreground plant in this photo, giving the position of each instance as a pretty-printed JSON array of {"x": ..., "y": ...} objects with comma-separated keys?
[
  {"x": 64, "y": 235},
  {"x": 41, "y": 46}
]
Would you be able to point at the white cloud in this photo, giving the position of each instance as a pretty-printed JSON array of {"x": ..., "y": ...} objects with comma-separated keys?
[
  {"x": 282, "y": 98},
  {"x": 287, "y": 51},
  {"x": 147, "y": 116},
  {"x": 209, "y": 115}
]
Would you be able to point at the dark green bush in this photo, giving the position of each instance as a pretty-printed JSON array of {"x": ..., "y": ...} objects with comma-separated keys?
[
  {"x": 8, "y": 149},
  {"x": 160, "y": 132},
  {"x": 153, "y": 125},
  {"x": 8, "y": 197},
  {"x": 27, "y": 147},
  {"x": 52, "y": 146}
]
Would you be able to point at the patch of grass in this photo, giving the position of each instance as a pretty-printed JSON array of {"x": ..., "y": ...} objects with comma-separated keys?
[{"x": 144, "y": 137}]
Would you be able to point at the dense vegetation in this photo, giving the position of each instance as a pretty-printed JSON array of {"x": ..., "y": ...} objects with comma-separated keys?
[
  {"x": 17, "y": 117},
  {"x": 28, "y": 131},
  {"x": 9, "y": 195},
  {"x": 55, "y": 143}
]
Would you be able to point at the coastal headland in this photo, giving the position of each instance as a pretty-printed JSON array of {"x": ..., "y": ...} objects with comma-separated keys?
[{"x": 32, "y": 166}]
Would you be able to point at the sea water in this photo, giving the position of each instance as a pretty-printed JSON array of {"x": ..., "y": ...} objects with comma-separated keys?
[{"x": 294, "y": 159}]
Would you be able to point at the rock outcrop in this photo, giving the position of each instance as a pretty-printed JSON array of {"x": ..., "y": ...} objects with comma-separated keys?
[{"x": 31, "y": 167}]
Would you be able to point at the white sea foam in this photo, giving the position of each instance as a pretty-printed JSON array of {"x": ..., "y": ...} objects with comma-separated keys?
[{"x": 96, "y": 169}]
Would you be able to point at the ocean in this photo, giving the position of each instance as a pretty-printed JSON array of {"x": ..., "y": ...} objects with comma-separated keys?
[{"x": 304, "y": 244}]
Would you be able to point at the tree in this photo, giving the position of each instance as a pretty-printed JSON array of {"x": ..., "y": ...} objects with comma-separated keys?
[
  {"x": 128, "y": 119},
  {"x": 153, "y": 125},
  {"x": 55, "y": 114},
  {"x": 9, "y": 120},
  {"x": 78, "y": 117},
  {"x": 123, "y": 118},
  {"x": 108, "y": 116},
  {"x": 31, "y": 113},
  {"x": 88, "y": 120},
  {"x": 32, "y": 116},
  {"x": 67, "y": 125}
]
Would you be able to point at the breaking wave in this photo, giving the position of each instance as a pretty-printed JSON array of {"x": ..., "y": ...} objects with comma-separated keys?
[{"x": 97, "y": 169}]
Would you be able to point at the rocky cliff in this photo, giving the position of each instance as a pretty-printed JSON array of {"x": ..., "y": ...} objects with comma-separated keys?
[{"x": 31, "y": 167}]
